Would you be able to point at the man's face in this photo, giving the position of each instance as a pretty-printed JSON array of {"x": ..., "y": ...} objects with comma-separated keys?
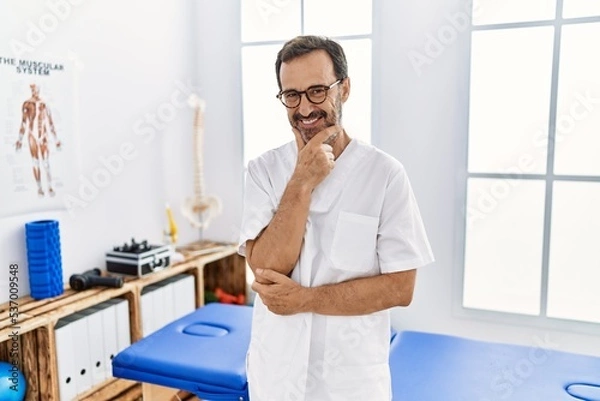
[{"x": 314, "y": 68}]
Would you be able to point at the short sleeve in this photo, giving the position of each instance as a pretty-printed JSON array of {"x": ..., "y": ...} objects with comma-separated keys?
[
  {"x": 258, "y": 205},
  {"x": 402, "y": 242}
]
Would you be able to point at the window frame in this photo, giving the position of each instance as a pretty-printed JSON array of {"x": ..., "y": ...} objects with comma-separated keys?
[
  {"x": 340, "y": 38},
  {"x": 501, "y": 317}
]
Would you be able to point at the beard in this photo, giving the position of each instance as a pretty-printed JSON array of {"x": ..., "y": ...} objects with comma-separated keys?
[{"x": 329, "y": 120}]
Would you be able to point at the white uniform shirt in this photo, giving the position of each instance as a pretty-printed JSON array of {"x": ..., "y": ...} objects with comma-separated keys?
[{"x": 363, "y": 221}]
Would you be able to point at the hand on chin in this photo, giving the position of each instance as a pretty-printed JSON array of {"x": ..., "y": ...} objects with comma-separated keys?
[{"x": 308, "y": 134}]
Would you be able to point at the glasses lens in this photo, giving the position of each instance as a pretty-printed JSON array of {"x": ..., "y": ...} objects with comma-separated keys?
[
  {"x": 291, "y": 98},
  {"x": 317, "y": 94}
]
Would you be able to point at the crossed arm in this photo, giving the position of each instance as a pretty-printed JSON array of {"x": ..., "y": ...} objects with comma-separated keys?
[
  {"x": 284, "y": 233},
  {"x": 362, "y": 296},
  {"x": 284, "y": 296}
]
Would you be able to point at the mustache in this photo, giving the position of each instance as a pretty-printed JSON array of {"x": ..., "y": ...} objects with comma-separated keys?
[{"x": 314, "y": 114}]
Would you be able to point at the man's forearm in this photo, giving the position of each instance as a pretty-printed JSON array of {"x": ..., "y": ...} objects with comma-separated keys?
[
  {"x": 362, "y": 296},
  {"x": 278, "y": 246}
]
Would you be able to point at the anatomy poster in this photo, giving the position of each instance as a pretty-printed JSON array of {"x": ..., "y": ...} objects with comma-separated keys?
[{"x": 37, "y": 152}]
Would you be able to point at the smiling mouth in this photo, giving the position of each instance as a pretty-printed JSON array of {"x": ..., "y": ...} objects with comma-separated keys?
[{"x": 308, "y": 123}]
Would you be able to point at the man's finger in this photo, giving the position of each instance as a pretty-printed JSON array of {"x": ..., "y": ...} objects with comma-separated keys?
[
  {"x": 299, "y": 141},
  {"x": 262, "y": 280},
  {"x": 268, "y": 274},
  {"x": 326, "y": 148},
  {"x": 257, "y": 287},
  {"x": 326, "y": 134}
]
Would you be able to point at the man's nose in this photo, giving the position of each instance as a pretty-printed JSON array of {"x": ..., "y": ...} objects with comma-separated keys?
[{"x": 305, "y": 107}]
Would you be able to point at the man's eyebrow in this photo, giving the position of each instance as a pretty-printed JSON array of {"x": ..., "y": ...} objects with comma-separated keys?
[{"x": 298, "y": 90}]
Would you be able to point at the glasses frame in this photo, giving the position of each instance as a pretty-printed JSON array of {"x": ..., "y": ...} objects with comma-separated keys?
[{"x": 305, "y": 93}]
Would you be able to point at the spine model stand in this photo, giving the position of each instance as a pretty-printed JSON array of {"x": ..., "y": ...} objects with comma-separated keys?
[{"x": 201, "y": 208}]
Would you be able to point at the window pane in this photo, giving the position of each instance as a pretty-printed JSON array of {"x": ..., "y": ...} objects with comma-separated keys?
[
  {"x": 357, "y": 110},
  {"x": 270, "y": 19},
  {"x": 578, "y": 108},
  {"x": 337, "y": 17},
  {"x": 504, "y": 238},
  {"x": 574, "y": 276},
  {"x": 506, "y": 11},
  {"x": 510, "y": 99},
  {"x": 265, "y": 119},
  {"x": 580, "y": 8}
]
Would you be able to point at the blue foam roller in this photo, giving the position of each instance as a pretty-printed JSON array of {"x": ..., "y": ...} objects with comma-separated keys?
[{"x": 44, "y": 258}]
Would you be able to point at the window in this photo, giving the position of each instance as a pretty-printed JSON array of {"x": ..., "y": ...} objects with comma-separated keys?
[
  {"x": 266, "y": 26},
  {"x": 532, "y": 217}
]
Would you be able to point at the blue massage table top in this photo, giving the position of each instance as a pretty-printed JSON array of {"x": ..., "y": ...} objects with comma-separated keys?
[
  {"x": 203, "y": 352},
  {"x": 433, "y": 367}
]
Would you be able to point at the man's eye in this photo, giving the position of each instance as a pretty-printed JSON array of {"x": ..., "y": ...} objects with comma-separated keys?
[
  {"x": 291, "y": 95},
  {"x": 316, "y": 91}
]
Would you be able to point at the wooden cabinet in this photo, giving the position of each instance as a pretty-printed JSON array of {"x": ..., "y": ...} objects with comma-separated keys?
[{"x": 35, "y": 345}]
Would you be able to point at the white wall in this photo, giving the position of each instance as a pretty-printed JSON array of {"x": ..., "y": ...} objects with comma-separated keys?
[
  {"x": 133, "y": 56},
  {"x": 218, "y": 61}
]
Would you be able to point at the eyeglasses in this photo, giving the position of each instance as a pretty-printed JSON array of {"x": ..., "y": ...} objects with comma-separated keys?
[{"x": 315, "y": 94}]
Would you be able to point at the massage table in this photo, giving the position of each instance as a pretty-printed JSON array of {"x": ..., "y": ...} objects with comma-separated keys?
[
  {"x": 434, "y": 367},
  {"x": 204, "y": 353}
]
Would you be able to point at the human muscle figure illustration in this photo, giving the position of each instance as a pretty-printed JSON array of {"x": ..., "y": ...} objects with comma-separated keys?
[{"x": 37, "y": 123}]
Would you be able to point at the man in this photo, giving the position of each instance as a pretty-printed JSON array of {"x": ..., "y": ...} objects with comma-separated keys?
[
  {"x": 36, "y": 121},
  {"x": 333, "y": 234}
]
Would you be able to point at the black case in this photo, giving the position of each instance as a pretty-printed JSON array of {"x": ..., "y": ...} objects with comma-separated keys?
[{"x": 139, "y": 263}]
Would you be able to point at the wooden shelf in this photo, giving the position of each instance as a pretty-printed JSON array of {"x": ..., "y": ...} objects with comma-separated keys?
[{"x": 37, "y": 318}]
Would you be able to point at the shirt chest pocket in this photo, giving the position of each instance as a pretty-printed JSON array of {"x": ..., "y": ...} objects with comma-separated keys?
[{"x": 354, "y": 242}]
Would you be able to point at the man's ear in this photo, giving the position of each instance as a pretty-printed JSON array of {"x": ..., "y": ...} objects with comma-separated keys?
[{"x": 345, "y": 89}]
